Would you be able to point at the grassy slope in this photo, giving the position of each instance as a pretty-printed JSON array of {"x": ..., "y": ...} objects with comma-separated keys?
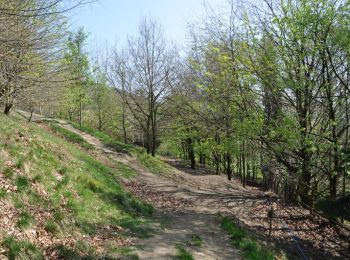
[
  {"x": 58, "y": 200},
  {"x": 154, "y": 164}
]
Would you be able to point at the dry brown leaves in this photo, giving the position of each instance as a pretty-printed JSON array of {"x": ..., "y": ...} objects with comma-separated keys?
[
  {"x": 36, "y": 233},
  {"x": 312, "y": 230},
  {"x": 158, "y": 198}
]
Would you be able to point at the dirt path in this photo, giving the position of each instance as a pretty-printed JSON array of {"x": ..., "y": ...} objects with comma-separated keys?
[
  {"x": 210, "y": 194},
  {"x": 200, "y": 220}
]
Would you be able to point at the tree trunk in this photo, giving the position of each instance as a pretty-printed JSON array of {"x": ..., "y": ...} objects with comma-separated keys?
[
  {"x": 248, "y": 171},
  {"x": 184, "y": 150},
  {"x": 228, "y": 167},
  {"x": 254, "y": 172},
  {"x": 123, "y": 125},
  {"x": 202, "y": 158},
  {"x": 217, "y": 167},
  {"x": 7, "y": 109},
  {"x": 31, "y": 114},
  {"x": 80, "y": 114},
  {"x": 333, "y": 186},
  {"x": 100, "y": 123},
  {"x": 243, "y": 166},
  {"x": 148, "y": 136},
  {"x": 239, "y": 162},
  {"x": 304, "y": 186},
  {"x": 154, "y": 134},
  {"x": 191, "y": 153}
]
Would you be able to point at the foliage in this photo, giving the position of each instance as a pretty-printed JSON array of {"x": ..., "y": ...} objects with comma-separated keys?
[{"x": 76, "y": 93}]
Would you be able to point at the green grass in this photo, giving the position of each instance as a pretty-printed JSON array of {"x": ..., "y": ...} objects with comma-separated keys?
[
  {"x": 51, "y": 227},
  {"x": 251, "y": 249},
  {"x": 79, "y": 249},
  {"x": 8, "y": 172},
  {"x": 195, "y": 240},
  {"x": 182, "y": 253},
  {"x": 24, "y": 220},
  {"x": 82, "y": 195},
  {"x": 17, "y": 249},
  {"x": 58, "y": 215},
  {"x": 108, "y": 140},
  {"x": 22, "y": 183},
  {"x": 125, "y": 251},
  {"x": 2, "y": 193},
  {"x": 154, "y": 164},
  {"x": 72, "y": 137}
]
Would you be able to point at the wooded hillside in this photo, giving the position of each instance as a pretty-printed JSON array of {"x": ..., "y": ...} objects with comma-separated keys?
[{"x": 261, "y": 92}]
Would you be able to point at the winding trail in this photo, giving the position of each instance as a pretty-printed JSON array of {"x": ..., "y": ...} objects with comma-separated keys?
[
  {"x": 201, "y": 219},
  {"x": 212, "y": 194}
]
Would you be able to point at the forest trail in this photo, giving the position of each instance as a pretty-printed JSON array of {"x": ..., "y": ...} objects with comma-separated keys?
[
  {"x": 200, "y": 220},
  {"x": 201, "y": 196},
  {"x": 179, "y": 225}
]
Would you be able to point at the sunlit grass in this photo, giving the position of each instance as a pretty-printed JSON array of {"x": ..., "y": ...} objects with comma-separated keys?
[
  {"x": 81, "y": 194},
  {"x": 251, "y": 249}
]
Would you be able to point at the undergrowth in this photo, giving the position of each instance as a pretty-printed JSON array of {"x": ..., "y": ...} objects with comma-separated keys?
[{"x": 251, "y": 249}]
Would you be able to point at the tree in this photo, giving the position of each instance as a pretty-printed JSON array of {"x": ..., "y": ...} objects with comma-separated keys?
[
  {"x": 76, "y": 60},
  {"x": 30, "y": 43},
  {"x": 145, "y": 79}
]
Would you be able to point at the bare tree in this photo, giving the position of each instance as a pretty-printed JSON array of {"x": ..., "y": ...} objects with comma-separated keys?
[{"x": 145, "y": 78}]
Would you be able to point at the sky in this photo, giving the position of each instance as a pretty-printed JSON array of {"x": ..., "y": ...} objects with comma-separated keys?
[{"x": 110, "y": 21}]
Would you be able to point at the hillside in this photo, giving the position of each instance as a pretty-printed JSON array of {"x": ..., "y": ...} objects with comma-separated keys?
[
  {"x": 57, "y": 200},
  {"x": 74, "y": 193}
]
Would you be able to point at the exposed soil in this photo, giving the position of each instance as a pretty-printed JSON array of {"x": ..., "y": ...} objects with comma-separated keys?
[{"x": 189, "y": 202}]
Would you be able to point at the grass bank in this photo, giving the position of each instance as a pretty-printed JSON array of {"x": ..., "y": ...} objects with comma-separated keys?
[{"x": 54, "y": 189}]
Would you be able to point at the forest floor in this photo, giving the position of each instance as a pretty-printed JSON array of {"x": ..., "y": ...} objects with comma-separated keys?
[{"x": 188, "y": 203}]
